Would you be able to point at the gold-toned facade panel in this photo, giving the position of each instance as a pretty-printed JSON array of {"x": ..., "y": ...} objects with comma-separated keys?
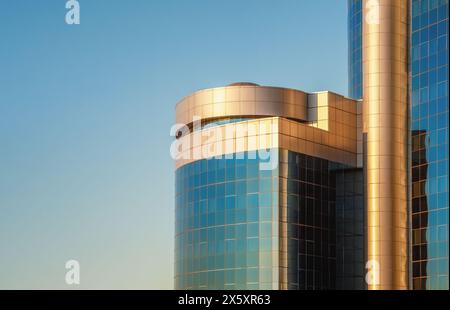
[
  {"x": 339, "y": 146},
  {"x": 385, "y": 84},
  {"x": 322, "y": 124},
  {"x": 234, "y": 101}
]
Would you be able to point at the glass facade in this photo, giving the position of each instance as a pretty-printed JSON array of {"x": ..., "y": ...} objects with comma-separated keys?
[
  {"x": 349, "y": 200},
  {"x": 429, "y": 133},
  {"x": 239, "y": 227},
  {"x": 354, "y": 49},
  {"x": 309, "y": 218},
  {"x": 350, "y": 228},
  {"x": 226, "y": 224}
]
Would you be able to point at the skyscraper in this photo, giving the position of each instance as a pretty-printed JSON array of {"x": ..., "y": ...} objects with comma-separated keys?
[{"x": 428, "y": 125}]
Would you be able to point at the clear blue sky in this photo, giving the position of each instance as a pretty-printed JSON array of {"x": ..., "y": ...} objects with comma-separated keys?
[{"x": 85, "y": 114}]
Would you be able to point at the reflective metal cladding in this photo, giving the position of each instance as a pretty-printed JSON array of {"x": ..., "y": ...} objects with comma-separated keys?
[{"x": 385, "y": 93}]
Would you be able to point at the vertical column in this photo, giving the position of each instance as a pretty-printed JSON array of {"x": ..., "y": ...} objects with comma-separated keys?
[{"x": 385, "y": 92}]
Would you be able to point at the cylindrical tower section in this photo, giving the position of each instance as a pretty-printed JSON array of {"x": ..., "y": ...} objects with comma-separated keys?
[{"x": 385, "y": 93}]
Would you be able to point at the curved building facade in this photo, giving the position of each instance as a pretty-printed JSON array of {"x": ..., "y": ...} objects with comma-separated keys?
[
  {"x": 256, "y": 186},
  {"x": 227, "y": 224}
]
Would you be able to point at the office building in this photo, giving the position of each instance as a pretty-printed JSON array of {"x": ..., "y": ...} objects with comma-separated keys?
[
  {"x": 427, "y": 60},
  {"x": 258, "y": 188}
]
